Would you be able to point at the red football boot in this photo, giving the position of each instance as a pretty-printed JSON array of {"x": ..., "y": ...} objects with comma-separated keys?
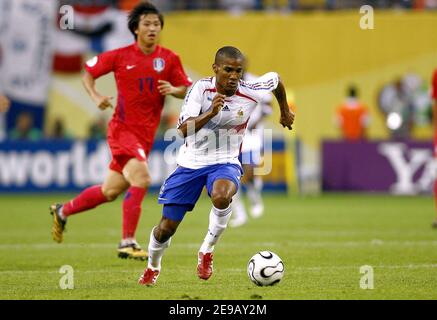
[
  {"x": 149, "y": 277},
  {"x": 204, "y": 265}
]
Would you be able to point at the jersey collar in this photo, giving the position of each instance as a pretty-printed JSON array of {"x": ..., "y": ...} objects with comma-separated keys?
[{"x": 138, "y": 49}]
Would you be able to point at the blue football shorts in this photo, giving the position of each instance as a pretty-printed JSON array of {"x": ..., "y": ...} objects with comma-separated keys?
[{"x": 183, "y": 187}]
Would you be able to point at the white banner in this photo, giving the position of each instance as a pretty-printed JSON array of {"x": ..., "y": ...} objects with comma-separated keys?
[{"x": 27, "y": 30}]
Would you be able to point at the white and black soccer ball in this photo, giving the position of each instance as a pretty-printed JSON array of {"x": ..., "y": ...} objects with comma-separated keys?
[{"x": 265, "y": 268}]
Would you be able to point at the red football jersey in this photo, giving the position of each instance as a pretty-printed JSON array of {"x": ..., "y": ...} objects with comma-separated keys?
[{"x": 139, "y": 102}]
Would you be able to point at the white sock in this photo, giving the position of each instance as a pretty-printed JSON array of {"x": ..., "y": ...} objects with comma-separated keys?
[
  {"x": 127, "y": 241},
  {"x": 258, "y": 184},
  {"x": 218, "y": 220},
  {"x": 61, "y": 214},
  {"x": 254, "y": 191},
  {"x": 237, "y": 205},
  {"x": 156, "y": 251}
]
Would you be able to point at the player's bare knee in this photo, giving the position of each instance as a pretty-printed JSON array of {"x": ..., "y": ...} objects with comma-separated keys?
[
  {"x": 111, "y": 194},
  {"x": 142, "y": 180},
  {"x": 147, "y": 181},
  {"x": 220, "y": 201}
]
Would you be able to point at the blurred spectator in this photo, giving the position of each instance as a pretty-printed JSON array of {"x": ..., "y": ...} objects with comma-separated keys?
[
  {"x": 4, "y": 103},
  {"x": 97, "y": 11},
  {"x": 281, "y": 5},
  {"x": 97, "y": 129},
  {"x": 405, "y": 105},
  {"x": 4, "y": 107},
  {"x": 24, "y": 129},
  {"x": 434, "y": 118},
  {"x": 345, "y": 4},
  {"x": 397, "y": 109},
  {"x": 237, "y": 6},
  {"x": 400, "y": 4},
  {"x": 352, "y": 117},
  {"x": 58, "y": 130},
  {"x": 127, "y": 5},
  {"x": 313, "y": 4},
  {"x": 420, "y": 100},
  {"x": 425, "y": 4}
]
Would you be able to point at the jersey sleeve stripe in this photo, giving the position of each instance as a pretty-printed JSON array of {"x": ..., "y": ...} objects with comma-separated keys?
[
  {"x": 238, "y": 93},
  {"x": 260, "y": 85},
  {"x": 210, "y": 90}
]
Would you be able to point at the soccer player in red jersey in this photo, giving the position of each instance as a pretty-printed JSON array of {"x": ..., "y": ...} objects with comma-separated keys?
[
  {"x": 434, "y": 119},
  {"x": 145, "y": 73}
]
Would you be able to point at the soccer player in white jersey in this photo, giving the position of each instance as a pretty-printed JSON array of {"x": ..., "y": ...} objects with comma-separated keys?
[
  {"x": 213, "y": 121},
  {"x": 250, "y": 158}
]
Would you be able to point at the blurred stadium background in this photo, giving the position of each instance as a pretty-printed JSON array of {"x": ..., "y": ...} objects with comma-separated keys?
[{"x": 317, "y": 46}]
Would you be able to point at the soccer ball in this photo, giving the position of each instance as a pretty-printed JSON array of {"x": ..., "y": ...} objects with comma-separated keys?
[{"x": 265, "y": 268}]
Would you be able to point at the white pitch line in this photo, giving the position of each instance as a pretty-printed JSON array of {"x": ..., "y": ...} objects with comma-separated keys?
[
  {"x": 300, "y": 244},
  {"x": 291, "y": 269}
]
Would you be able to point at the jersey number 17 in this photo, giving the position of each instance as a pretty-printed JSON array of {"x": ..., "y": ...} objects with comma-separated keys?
[{"x": 146, "y": 82}]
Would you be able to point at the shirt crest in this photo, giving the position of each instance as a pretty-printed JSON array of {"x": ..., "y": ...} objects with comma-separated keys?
[{"x": 158, "y": 64}]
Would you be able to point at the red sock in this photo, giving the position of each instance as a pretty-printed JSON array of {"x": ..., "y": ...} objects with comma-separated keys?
[
  {"x": 132, "y": 210},
  {"x": 87, "y": 199}
]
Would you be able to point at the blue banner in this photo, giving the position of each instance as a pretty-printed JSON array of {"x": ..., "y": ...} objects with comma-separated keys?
[
  {"x": 65, "y": 165},
  {"x": 70, "y": 166}
]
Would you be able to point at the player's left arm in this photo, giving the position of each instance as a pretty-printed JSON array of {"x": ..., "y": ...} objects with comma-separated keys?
[
  {"x": 166, "y": 88},
  {"x": 287, "y": 116},
  {"x": 178, "y": 81}
]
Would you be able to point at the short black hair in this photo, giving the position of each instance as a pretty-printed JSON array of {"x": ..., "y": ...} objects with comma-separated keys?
[
  {"x": 140, "y": 10},
  {"x": 228, "y": 52}
]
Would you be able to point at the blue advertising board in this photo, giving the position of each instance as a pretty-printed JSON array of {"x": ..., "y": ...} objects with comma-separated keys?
[{"x": 70, "y": 166}]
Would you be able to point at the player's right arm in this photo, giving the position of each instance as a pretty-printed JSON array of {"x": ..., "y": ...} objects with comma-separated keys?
[
  {"x": 194, "y": 124},
  {"x": 95, "y": 68},
  {"x": 192, "y": 119},
  {"x": 101, "y": 101}
]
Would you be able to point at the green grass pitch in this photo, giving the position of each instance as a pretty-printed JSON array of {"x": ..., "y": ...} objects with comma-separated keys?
[{"x": 323, "y": 241}]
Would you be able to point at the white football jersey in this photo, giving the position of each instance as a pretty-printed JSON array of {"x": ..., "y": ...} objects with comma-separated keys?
[{"x": 219, "y": 140}]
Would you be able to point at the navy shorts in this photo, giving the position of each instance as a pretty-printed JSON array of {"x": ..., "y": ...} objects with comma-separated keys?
[{"x": 184, "y": 186}]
